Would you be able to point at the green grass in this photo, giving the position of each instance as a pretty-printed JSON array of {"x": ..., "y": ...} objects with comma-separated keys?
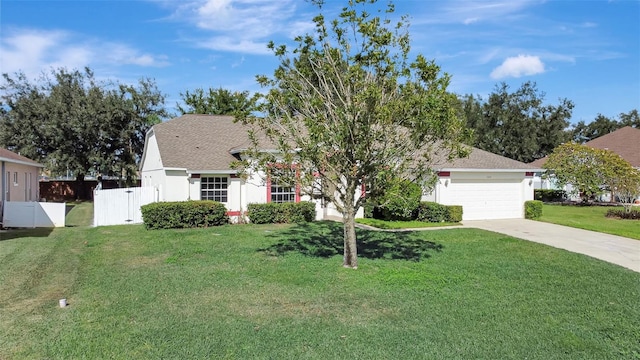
[
  {"x": 79, "y": 213},
  {"x": 590, "y": 218},
  {"x": 279, "y": 291},
  {"x": 382, "y": 224}
]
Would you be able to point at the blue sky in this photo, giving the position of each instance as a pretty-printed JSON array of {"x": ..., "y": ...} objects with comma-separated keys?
[{"x": 586, "y": 51}]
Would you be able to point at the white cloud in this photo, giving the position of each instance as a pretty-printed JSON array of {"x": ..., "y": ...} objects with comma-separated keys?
[
  {"x": 242, "y": 26},
  {"x": 34, "y": 51},
  {"x": 521, "y": 65}
]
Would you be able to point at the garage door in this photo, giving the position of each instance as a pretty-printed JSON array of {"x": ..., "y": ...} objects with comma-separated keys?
[{"x": 487, "y": 199}]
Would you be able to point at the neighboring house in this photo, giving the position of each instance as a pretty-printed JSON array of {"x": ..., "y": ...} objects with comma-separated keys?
[
  {"x": 19, "y": 180},
  {"x": 624, "y": 142},
  {"x": 189, "y": 158}
]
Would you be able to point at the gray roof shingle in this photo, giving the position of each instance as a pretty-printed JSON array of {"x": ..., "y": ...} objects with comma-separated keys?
[{"x": 206, "y": 142}]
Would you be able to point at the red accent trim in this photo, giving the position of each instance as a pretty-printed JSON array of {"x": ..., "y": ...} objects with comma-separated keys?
[
  {"x": 235, "y": 213},
  {"x": 195, "y": 176},
  {"x": 268, "y": 188},
  {"x": 297, "y": 183},
  {"x": 363, "y": 190},
  {"x": 234, "y": 176},
  {"x": 528, "y": 173},
  {"x": 444, "y": 173}
]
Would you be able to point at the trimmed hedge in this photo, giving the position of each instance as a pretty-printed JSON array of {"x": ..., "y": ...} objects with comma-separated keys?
[
  {"x": 281, "y": 213},
  {"x": 634, "y": 214},
  {"x": 532, "y": 209},
  {"x": 401, "y": 201},
  {"x": 433, "y": 212},
  {"x": 548, "y": 195},
  {"x": 184, "y": 214}
]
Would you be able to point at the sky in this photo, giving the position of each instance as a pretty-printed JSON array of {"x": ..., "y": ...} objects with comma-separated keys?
[{"x": 586, "y": 51}]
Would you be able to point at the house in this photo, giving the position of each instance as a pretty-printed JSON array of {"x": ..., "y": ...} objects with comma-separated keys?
[
  {"x": 19, "y": 180},
  {"x": 189, "y": 158},
  {"x": 625, "y": 142}
]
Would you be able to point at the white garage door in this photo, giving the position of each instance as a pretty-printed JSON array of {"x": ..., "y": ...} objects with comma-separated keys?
[{"x": 487, "y": 199}]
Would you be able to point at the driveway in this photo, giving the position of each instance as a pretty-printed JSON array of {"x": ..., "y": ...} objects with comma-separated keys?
[{"x": 611, "y": 248}]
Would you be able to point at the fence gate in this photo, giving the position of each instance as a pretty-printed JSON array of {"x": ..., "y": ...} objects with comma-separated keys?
[{"x": 121, "y": 206}]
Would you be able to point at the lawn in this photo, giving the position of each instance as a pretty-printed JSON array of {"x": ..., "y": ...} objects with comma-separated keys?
[
  {"x": 279, "y": 291},
  {"x": 590, "y": 218},
  {"x": 394, "y": 225},
  {"x": 79, "y": 213}
]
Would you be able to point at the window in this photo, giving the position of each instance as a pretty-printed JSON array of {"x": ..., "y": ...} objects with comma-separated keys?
[
  {"x": 214, "y": 188},
  {"x": 15, "y": 178},
  {"x": 279, "y": 186}
]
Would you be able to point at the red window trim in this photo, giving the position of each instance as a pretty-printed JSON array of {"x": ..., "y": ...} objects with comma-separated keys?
[
  {"x": 528, "y": 173},
  {"x": 297, "y": 190},
  {"x": 444, "y": 173}
]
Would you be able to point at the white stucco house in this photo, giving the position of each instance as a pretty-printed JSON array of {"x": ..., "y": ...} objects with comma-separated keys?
[{"x": 189, "y": 158}]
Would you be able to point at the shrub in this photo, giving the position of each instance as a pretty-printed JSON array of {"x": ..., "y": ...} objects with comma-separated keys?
[
  {"x": 454, "y": 213},
  {"x": 549, "y": 195},
  {"x": 634, "y": 214},
  {"x": 400, "y": 201},
  {"x": 281, "y": 213},
  {"x": 433, "y": 212},
  {"x": 184, "y": 214},
  {"x": 532, "y": 209}
]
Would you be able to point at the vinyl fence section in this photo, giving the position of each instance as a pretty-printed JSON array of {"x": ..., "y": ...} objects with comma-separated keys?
[
  {"x": 121, "y": 206},
  {"x": 18, "y": 214}
]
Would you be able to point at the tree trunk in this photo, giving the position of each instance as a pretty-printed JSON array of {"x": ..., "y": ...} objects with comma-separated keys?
[{"x": 350, "y": 250}]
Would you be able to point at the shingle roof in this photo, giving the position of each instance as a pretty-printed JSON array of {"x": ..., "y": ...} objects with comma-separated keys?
[
  {"x": 624, "y": 142},
  {"x": 10, "y": 156},
  {"x": 200, "y": 142},
  {"x": 206, "y": 142},
  {"x": 480, "y": 160}
]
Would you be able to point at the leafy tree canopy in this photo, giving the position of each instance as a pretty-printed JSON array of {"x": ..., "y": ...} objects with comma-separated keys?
[
  {"x": 592, "y": 171},
  {"x": 68, "y": 120},
  {"x": 217, "y": 102},
  {"x": 517, "y": 124},
  {"x": 350, "y": 108},
  {"x": 602, "y": 125}
]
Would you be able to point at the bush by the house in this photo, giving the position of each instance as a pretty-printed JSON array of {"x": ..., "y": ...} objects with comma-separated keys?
[
  {"x": 634, "y": 214},
  {"x": 277, "y": 213},
  {"x": 532, "y": 209},
  {"x": 401, "y": 201},
  {"x": 549, "y": 195},
  {"x": 433, "y": 212},
  {"x": 184, "y": 214}
]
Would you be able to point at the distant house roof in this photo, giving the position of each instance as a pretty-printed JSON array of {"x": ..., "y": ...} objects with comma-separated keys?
[
  {"x": 209, "y": 142},
  {"x": 10, "y": 156},
  {"x": 624, "y": 142}
]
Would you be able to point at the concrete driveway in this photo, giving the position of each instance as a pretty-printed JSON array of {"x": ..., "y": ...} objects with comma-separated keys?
[{"x": 611, "y": 248}]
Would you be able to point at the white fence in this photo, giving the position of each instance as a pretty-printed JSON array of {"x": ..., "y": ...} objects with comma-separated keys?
[
  {"x": 121, "y": 206},
  {"x": 33, "y": 214}
]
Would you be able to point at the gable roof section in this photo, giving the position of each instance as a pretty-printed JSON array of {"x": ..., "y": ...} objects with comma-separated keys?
[
  {"x": 10, "y": 156},
  {"x": 200, "y": 142},
  {"x": 624, "y": 142},
  {"x": 483, "y": 160}
]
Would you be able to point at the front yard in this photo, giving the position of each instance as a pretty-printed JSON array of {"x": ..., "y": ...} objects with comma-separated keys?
[
  {"x": 278, "y": 291},
  {"x": 590, "y": 218}
]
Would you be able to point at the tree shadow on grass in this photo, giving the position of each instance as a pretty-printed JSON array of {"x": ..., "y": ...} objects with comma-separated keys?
[
  {"x": 9, "y": 234},
  {"x": 326, "y": 239}
]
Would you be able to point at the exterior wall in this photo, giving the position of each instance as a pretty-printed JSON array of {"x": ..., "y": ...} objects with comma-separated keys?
[
  {"x": 176, "y": 186},
  {"x": 20, "y": 182}
]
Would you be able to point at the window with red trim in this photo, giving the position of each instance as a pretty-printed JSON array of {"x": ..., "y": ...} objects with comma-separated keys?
[{"x": 282, "y": 185}]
